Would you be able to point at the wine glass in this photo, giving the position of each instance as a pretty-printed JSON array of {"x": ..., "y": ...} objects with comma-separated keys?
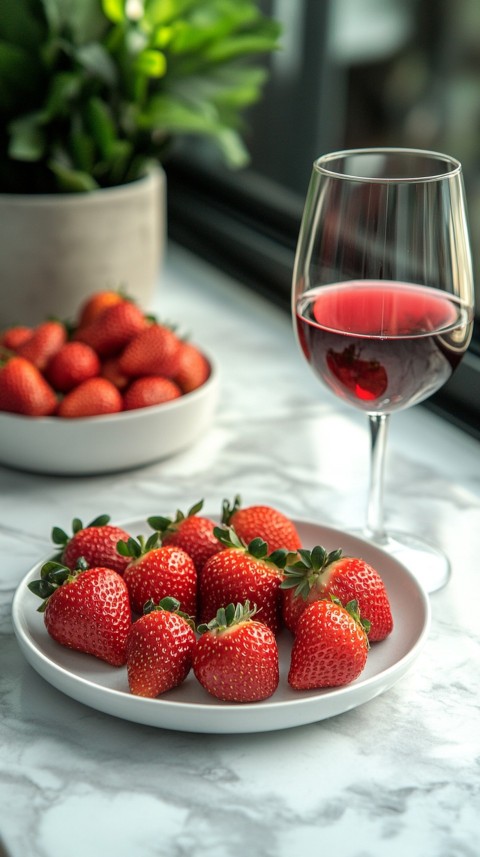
[{"x": 383, "y": 299}]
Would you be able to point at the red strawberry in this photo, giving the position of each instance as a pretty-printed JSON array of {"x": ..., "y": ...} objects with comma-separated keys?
[
  {"x": 366, "y": 379},
  {"x": 159, "y": 649},
  {"x": 110, "y": 331},
  {"x": 191, "y": 532},
  {"x": 96, "y": 543},
  {"x": 236, "y": 658},
  {"x": 111, "y": 371},
  {"x": 193, "y": 369},
  {"x": 13, "y": 337},
  {"x": 150, "y": 390},
  {"x": 154, "y": 351},
  {"x": 47, "y": 338},
  {"x": 86, "y": 610},
  {"x": 24, "y": 390},
  {"x": 264, "y": 522},
  {"x": 238, "y": 573},
  {"x": 74, "y": 363},
  {"x": 96, "y": 304},
  {"x": 318, "y": 574},
  {"x": 91, "y": 398},
  {"x": 330, "y": 647},
  {"x": 156, "y": 571}
]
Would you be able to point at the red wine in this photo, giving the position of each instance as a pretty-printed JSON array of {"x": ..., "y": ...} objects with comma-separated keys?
[{"x": 382, "y": 345}]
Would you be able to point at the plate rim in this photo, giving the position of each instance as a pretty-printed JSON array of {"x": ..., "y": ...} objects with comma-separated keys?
[{"x": 80, "y": 687}]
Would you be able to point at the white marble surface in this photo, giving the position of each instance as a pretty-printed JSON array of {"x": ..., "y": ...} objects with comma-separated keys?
[{"x": 399, "y": 775}]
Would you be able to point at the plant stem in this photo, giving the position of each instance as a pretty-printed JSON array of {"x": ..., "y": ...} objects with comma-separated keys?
[{"x": 378, "y": 443}]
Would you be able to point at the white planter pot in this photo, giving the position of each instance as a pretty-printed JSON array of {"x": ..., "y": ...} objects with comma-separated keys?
[{"x": 56, "y": 249}]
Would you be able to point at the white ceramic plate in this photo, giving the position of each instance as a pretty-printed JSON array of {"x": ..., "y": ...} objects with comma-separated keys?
[
  {"x": 109, "y": 443},
  {"x": 190, "y": 708}
]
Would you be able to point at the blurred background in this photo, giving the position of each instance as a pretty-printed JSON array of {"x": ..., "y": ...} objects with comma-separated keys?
[{"x": 354, "y": 73}]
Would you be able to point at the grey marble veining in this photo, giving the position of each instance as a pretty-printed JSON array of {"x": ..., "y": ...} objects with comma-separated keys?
[{"x": 398, "y": 775}]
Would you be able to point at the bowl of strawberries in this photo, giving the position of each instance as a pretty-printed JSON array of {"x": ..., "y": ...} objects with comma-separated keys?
[{"x": 112, "y": 390}]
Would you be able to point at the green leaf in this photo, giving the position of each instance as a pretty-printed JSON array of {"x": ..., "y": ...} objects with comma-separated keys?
[
  {"x": 27, "y": 139},
  {"x": 100, "y": 123},
  {"x": 82, "y": 149},
  {"x": 152, "y": 63},
  {"x": 70, "y": 180},
  {"x": 258, "y": 548},
  {"x": 122, "y": 548},
  {"x": 51, "y": 567},
  {"x": 64, "y": 88},
  {"x": 114, "y": 10},
  {"x": 41, "y": 588},
  {"x": 59, "y": 536},
  {"x": 239, "y": 46},
  {"x": 99, "y": 521},
  {"x": 157, "y": 522},
  {"x": 160, "y": 12},
  {"x": 152, "y": 542},
  {"x": 95, "y": 59},
  {"x": 195, "y": 509},
  {"x": 318, "y": 556}
]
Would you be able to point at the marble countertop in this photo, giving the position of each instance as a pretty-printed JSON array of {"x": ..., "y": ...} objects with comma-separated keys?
[{"x": 398, "y": 775}]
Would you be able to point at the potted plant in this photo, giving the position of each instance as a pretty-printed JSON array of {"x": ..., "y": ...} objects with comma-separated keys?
[{"x": 93, "y": 94}]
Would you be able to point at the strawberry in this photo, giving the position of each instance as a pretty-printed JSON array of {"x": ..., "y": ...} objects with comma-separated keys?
[
  {"x": 74, "y": 363},
  {"x": 24, "y": 390},
  {"x": 330, "y": 648},
  {"x": 193, "y": 368},
  {"x": 91, "y": 398},
  {"x": 96, "y": 304},
  {"x": 366, "y": 379},
  {"x": 236, "y": 658},
  {"x": 87, "y": 610},
  {"x": 13, "y": 337},
  {"x": 191, "y": 532},
  {"x": 159, "y": 649},
  {"x": 150, "y": 390},
  {"x": 110, "y": 331},
  {"x": 96, "y": 543},
  {"x": 46, "y": 339},
  {"x": 153, "y": 351},
  {"x": 264, "y": 522},
  {"x": 155, "y": 571},
  {"x": 239, "y": 572},
  {"x": 111, "y": 371},
  {"x": 318, "y": 574}
]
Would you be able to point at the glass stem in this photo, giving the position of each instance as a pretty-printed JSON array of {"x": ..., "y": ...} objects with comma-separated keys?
[{"x": 378, "y": 443}]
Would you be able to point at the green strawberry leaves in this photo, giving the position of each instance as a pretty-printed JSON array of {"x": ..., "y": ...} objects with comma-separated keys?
[
  {"x": 228, "y": 616},
  {"x": 169, "y": 605},
  {"x": 302, "y": 574},
  {"x": 228, "y": 510},
  {"x": 61, "y": 538},
  {"x": 52, "y": 575},
  {"x": 352, "y": 607},
  {"x": 162, "y": 524},
  {"x": 257, "y": 548},
  {"x": 136, "y": 548}
]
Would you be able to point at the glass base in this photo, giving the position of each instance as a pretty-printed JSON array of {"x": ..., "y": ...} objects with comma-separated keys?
[{"x": 428, "y": 564}]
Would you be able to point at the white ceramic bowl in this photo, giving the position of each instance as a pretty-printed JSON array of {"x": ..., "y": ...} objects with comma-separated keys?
[{"x": 110, "y": 443}]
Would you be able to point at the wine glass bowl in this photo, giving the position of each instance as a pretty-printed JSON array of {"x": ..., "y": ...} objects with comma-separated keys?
[{"x": 383, "y": 297}]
